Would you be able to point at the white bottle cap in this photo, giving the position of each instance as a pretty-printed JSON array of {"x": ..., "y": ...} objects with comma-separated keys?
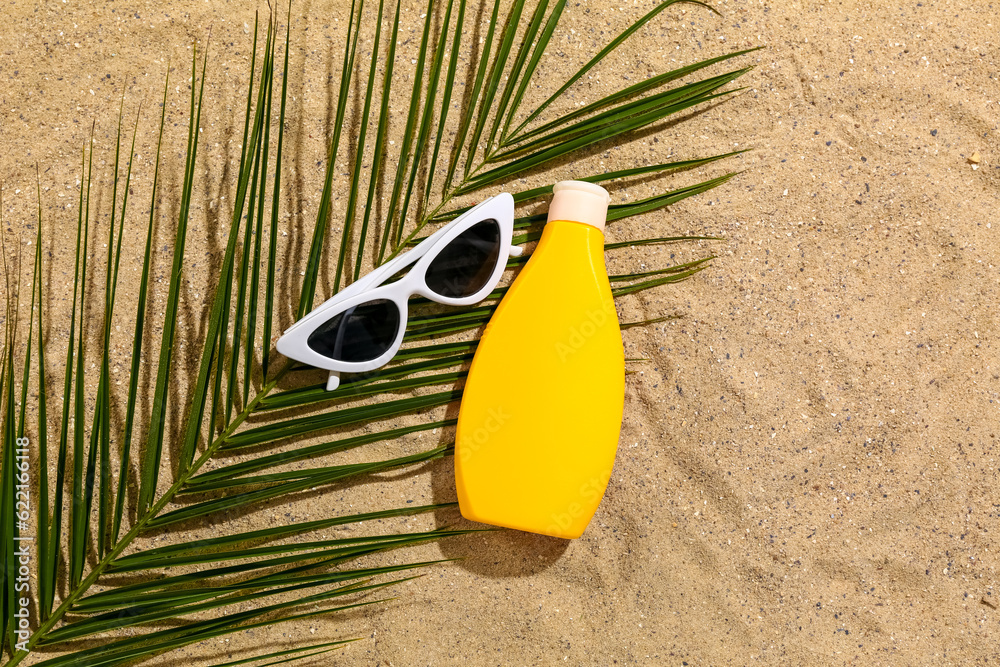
[{"x": 580, "y": 201}]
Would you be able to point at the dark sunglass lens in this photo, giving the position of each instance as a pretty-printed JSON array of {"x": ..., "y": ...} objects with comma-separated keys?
[
  {"x": 464, "y": 266},
  {"x": 361, "y": 333}
]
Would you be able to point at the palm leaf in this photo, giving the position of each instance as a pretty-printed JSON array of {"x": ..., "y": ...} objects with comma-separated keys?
[
  {"x": 322, "y": 218},
  {"x": 286, "y": 429},
  {"x": 140, "y": 316},
  {"x": 80, "y": 503},
  {"x": 288, "y": 655},
  {"x": 150, "y": 469},
  {"x": 493, "y": 80},
  {"x": 393, "y": 227},
  {"x": 9, "y": 529},
  {"x": 458, "y": 150},
  {"x": 614, "y": 44},
  {"x": 45, "y": 584}
]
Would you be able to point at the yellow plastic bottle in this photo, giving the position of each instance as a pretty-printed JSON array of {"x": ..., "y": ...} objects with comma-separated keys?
[{"x": 542, "y": 409}]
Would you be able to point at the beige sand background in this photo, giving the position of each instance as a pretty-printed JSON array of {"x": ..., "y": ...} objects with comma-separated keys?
[{"x": 807, "y": 471}]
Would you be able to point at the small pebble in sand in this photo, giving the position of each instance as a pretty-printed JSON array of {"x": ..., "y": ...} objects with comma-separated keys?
[{"x": 974, "y": 160}]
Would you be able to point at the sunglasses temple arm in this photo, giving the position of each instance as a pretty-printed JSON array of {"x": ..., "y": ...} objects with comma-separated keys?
[{"x": 333, "y": 380}]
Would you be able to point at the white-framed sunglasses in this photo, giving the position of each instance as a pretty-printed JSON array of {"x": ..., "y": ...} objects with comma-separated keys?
[{"x": 361, "y": 328}]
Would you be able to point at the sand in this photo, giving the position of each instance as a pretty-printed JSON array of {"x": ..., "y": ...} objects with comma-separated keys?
[{"x": 807, "y": 471}]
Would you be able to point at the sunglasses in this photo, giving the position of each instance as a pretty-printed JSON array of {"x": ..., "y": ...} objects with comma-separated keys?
[{"x": 361, "y": 328}]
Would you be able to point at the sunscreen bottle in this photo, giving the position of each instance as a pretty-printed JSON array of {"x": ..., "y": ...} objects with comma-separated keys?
[{"x": 542, "y": 408}]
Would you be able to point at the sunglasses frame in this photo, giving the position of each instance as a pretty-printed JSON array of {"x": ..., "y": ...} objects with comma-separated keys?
[{"x": 294, "y": 343}]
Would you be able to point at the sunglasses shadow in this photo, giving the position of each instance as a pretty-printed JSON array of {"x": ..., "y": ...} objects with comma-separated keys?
[{"x": 499, "y": 553}]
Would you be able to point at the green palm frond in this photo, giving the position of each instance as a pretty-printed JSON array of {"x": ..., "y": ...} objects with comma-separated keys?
[{"x": 255, "y": 429}]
